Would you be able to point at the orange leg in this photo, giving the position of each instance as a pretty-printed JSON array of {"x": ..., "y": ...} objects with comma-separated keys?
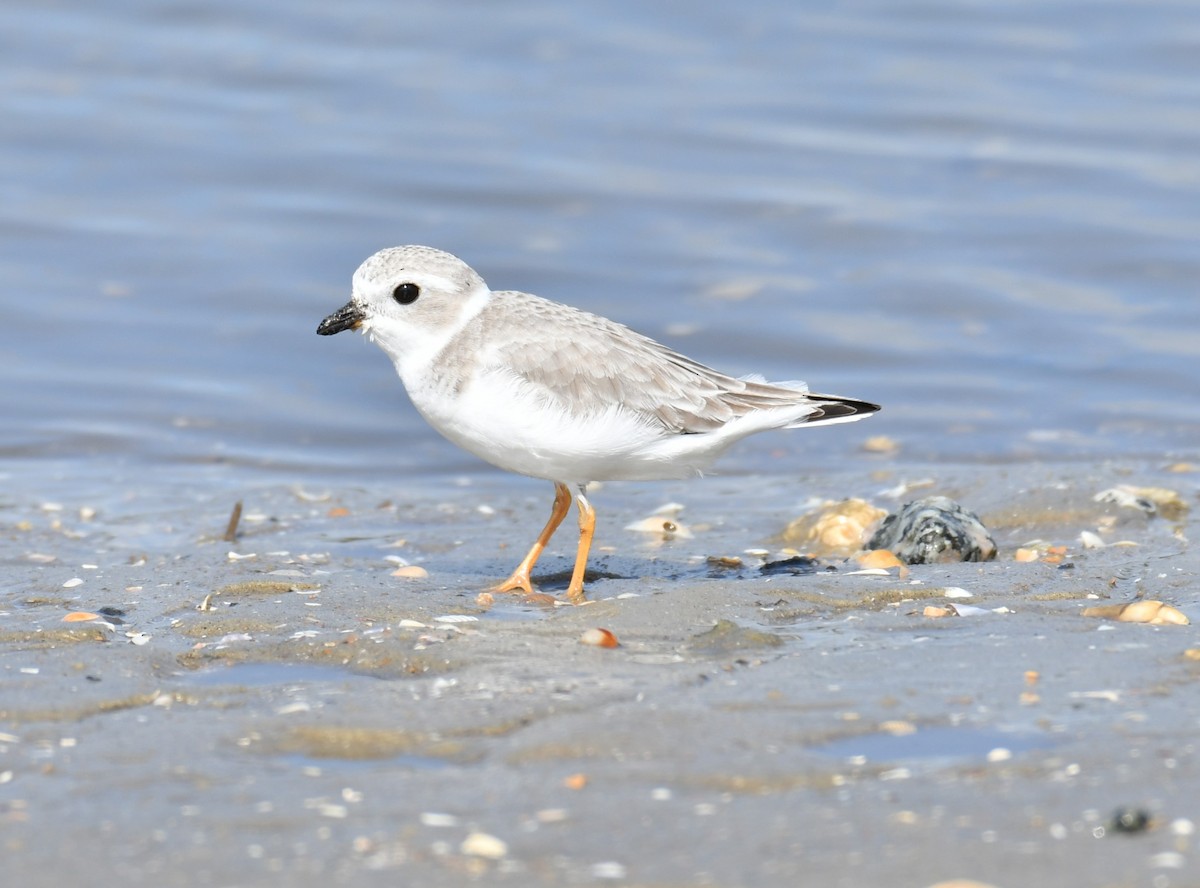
[
  {"x": 587, "y": 528},
  {"x": 519, "y": 580}
]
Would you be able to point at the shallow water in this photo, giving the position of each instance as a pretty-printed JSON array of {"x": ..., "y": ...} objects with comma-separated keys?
[
  {"x": 941, "y": 744},
  {"x": 983, "y": 216}
]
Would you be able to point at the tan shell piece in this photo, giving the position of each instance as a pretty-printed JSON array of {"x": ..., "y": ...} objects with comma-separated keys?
[
  {"x": 1153, "y": 612},
  {"x": 834, "y": 528}
]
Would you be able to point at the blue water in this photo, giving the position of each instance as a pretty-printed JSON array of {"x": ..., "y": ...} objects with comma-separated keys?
[{"x": 985, "y": 216}]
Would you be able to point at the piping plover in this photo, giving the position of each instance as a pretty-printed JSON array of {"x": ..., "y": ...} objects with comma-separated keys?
[{"x": 546, "y": 390}]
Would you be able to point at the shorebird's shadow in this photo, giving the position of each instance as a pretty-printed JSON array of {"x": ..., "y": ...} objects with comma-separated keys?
[{"x": 562, "y": 578}]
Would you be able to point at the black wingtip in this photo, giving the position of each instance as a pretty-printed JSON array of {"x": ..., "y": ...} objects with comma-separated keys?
[{"x": 844, "y": 408}]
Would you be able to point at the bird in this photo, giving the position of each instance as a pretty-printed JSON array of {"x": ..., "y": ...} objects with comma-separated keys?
[{"x": 553, "y": 392}]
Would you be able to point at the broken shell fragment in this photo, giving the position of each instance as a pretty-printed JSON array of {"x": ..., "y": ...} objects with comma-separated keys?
[
  {"x": 1153, "y": 612},
  {"x": 934, "y": 530},
  {"x": 834, "y": 528},
  {"x": 599, "y": 638},
  {"x": 1151, "y": 500},
  {"x": 881, "y": 558},
  {"x": 411, "y": 572},
  {"x": 667, "y": 526},
  {"x": 80, "y": 617}
]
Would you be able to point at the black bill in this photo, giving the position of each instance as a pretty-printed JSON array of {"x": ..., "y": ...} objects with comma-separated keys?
[{"x": 348, "y": 317}]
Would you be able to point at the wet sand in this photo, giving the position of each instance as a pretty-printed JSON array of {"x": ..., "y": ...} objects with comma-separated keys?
[{"x": 322, "y": 721}]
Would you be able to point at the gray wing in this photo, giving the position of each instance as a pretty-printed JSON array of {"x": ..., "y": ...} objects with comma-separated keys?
[{"x": 588, "y": 362}]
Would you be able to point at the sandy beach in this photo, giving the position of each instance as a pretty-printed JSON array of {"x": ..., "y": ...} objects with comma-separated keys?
[{"x": 323, "y": 721}]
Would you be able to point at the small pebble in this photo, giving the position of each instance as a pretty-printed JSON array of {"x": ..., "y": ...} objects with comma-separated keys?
[
  {"x": 1181, "y": 826},
  {"x": 880, "y": 444},
  {"x": 608, "y": 869},
  {"x": 1167, "y": 860},
  {"x": 1130, "y": 820},
  {"x": 434, "y": 818},
  {"x": 723, "y": 561},
  {"x": 411, "y": 572}
]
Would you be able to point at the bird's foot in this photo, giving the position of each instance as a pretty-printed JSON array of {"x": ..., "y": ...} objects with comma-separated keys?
[{"x": 518, "y": 582}]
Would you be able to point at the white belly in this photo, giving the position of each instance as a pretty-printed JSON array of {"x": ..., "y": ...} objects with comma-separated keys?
[{"x": 510, "y": 424}]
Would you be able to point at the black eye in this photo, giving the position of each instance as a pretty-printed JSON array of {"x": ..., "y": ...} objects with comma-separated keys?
[{"x": 406, "y": 294}]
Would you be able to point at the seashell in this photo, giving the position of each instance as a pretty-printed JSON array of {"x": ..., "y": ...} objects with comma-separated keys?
[
  {"x": 667, "y": 526},
  {"x": 80, "y": 617},
  {"x": 834, "y": 528},
  {"x": 934, "y": 530},
  {"x": 1153, "y": 612},
  {"x": 599, "y": 638}
]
